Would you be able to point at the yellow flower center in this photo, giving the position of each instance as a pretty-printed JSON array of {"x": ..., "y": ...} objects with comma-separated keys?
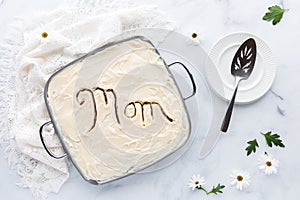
[
  {"x": 196, "y": 182},
  {"x": 44, "y": 34},
  {"x": 194, "y": 35},
  {"x": 268, "y": 163},
  {"x": 239, "y": 178}
]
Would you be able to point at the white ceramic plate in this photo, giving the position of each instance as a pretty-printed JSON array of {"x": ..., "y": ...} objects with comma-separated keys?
[{"x": 256, "y": 85}]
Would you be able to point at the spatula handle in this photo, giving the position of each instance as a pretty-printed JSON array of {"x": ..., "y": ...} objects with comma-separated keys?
[{"x": 227, "y": 117}]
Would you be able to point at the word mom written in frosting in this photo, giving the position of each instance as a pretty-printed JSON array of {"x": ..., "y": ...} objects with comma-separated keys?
[
  {"x": 105, "y": 93},
  {"x": 142, "y": 106}
]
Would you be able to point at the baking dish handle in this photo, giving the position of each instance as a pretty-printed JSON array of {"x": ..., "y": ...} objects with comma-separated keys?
[
  {"x": 44, "y": 144},
  {"x": 191, "y": 77}
]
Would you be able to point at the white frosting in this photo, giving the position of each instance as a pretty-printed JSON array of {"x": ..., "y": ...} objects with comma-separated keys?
[{"x": 113, "y": 145}]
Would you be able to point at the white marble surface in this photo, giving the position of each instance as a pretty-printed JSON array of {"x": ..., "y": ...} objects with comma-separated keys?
[{"x": 212, "y": 19}]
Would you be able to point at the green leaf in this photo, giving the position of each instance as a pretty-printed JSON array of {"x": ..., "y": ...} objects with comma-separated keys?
[
  {"x": 217, "y": 189},
  {"x": 252, "y": 147},
  {"x": 274, "y": 14},
  {"x": 273, "y": 139}
]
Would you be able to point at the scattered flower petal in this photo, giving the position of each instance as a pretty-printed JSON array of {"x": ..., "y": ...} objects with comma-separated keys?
[
  {"x": 268, "y": 164},
  {"x": 196, "y": 181},
  {"x": 240, "y": 178}
]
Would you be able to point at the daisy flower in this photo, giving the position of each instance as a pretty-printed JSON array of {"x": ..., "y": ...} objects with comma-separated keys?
[
  {"x": 196, "y": 181},
  {"x": 240, "y": 178},
  {"x": 268, "y": 164}
]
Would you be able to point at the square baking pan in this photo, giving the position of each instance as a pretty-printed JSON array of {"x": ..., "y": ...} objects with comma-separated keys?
[{"x": 117, "y": 110}]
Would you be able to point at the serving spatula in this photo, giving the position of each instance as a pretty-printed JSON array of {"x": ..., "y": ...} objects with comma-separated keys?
[{"x": 241, "y": 68}]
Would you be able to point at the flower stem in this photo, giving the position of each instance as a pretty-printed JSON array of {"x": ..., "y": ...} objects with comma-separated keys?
[
  {"x": 207, "y": 193},
  {"x": 203, "y": 189}
]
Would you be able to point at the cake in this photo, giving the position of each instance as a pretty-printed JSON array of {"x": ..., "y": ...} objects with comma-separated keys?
[{"x": 117, "y": 110}]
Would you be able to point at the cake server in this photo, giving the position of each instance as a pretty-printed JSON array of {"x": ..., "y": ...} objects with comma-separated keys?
[{"x": 241, "y": 68}]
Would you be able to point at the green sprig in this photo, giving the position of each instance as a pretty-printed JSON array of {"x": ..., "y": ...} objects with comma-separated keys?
[
  {"x": 273, "y": 139},
  {"x": 251, "y": 147},
  {"x": 274, "y": 14},
  {"x": 215, "y": 190}
]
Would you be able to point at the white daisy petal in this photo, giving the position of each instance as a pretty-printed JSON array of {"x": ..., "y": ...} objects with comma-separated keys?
[
  {"x": 233, "y": 182},
  {"x": 240, "y": 186},
  {"x": 262, "y": 166}
]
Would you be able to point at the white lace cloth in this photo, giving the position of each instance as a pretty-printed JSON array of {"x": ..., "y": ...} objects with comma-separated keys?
[{"x": 28, "y": 59}]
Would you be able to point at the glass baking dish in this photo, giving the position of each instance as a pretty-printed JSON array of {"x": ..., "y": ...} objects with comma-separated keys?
[{"x": 117, "y": 110}]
